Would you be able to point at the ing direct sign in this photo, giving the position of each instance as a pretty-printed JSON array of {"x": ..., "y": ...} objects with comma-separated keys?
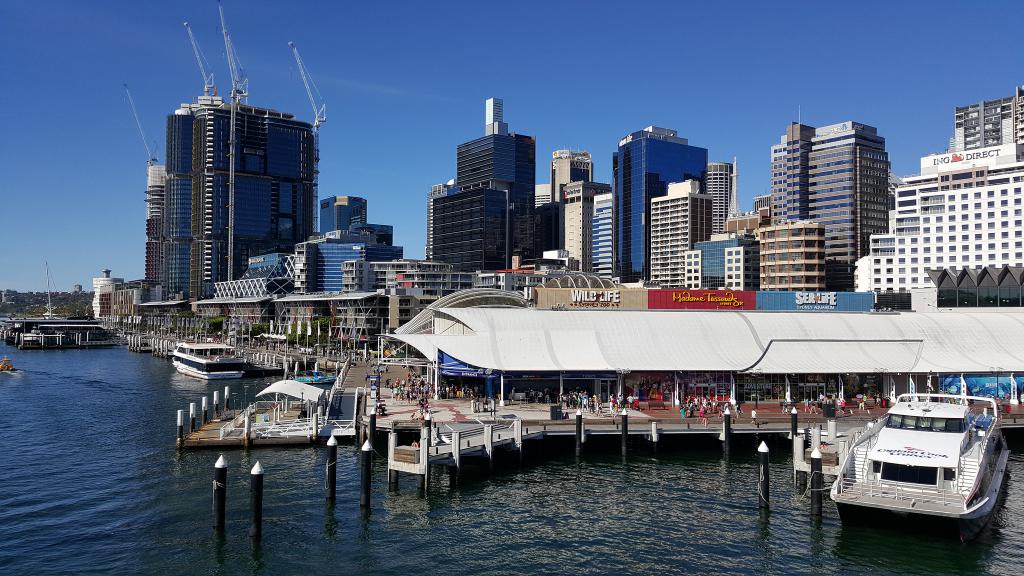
[{"x": 701, "y": 300}]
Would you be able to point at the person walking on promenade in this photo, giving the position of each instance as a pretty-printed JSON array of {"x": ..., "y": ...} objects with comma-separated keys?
[
  {"x": 753, "y": 418},
  {"x": 703, "y": 416}
]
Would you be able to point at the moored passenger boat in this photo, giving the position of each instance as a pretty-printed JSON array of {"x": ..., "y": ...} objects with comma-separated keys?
[
  {"x": 936, "y": 462},
  {"x": 209, "y": 361}
]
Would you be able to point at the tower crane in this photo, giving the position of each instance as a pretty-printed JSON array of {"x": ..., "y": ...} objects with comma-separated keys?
[
  {"x": 317, "y": 101},
  {"x": 208, "y": 85},
  {"x": 150, "y": 156},
  {"x": 239, "y": 93},
  {"x": 319, "y": 114}
]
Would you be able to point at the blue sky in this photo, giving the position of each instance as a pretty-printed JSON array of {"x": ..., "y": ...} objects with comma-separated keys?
[{"x": 405, "y": 84}]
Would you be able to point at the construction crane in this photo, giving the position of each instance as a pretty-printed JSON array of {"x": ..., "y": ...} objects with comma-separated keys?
[
  {"x": 150, "y": 156},
  {"x": 208, "y": 85},
  {"x": 317, "y": 101},
  {"x": 239, "y": 93}
]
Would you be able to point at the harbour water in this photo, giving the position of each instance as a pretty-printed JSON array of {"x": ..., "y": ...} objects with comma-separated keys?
[{"x": 90, "y": 483}]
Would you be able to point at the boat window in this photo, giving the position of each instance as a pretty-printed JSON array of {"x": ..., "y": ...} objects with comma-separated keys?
[
  {"x": 949, "y": 474},
  {"x": 909, "y": 422},
  {"x": 924, "y": 422},
  {"x": 954, "y": 425},
  {"x": 895, "y": 421},
  {"x": 909, "y": 474}
]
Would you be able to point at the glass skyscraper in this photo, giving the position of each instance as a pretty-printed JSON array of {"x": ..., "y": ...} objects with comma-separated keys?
[
  {"x": 318, "y": 263},
  {"x": 341, "y": 213},
  {"x": 488, "y": 219},
  {"x": 645, "y": 163},
  {"x": 275, "y": 202}
]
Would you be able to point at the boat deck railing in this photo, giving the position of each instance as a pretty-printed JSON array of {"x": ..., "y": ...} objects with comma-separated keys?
[{"x": 902, "y": 494}]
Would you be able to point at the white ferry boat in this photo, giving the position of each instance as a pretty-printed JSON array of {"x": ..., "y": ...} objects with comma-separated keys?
[
  {"x": 936, "y": 462},
  {"x": 208, "y": 361}
]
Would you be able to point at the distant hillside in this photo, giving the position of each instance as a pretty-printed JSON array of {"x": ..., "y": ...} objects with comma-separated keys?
[{"x": 34, "y": 303}]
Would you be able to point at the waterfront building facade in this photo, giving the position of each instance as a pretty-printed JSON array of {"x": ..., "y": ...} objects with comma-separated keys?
[
  {"x": 102, "y": 294},
  {"x": 342, "y": 213},
  {"x": 721, "y": 185},
  {"x": 319, "y": 262},
  {"x": 963, "y": 211},
  {"x": 177, "y": 209},
  {"x": 412, "y": 276},
  {"x": 678, "y": 219},
  {"x": 266, "y": 275},
  {"x": 578, "y": 199},
  {"x": 569, "y": 166},
  {"x": 644, "y": 164},
  {"x": 836, "y": 175},
  {"x": 601, "y": 236},
  {"x": 490, "y": 218},
  {"x": 792, "y": 256}
]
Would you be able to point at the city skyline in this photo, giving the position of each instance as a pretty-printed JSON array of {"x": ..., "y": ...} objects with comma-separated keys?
[{"x": 97, "y": 172}]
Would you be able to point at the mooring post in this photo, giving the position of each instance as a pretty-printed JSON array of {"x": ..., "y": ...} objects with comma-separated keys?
[
  {"x": 206, "y": 412},
  {"x": 489, "y": 445},
  {"x": 517, "y": 427},
  {"x": 227, "y": 397},
  {"x": 372, "y": 434},
  {"x": 332, "y": 468},
  {"x": 425, "y": 435},
  {"x": 246, "y": 432},
  {"x": 392, "y": 473},
  {"x": 833, "y": 432},
  {"x": 216, "y": 403},
  {"x": 654, "y": 435},
  {"x": 256, "y": 501},
  {"x": 220, "y": 493},
  {"x": 816, "y": 483},
  {"x": 793, "y": 422},
  {"x": 726, "y": 429},
  {"x": 364, "y": 494},
  {"x": 191, "y": 417},
  {"x": 181, "y": 428},
  {"x": 457, "y": 451},
  {"x": 579, "y": 432},
  {"x": 816, "y": 437},
  {"x": 799, "y": 476},
  {"x": 762, "y": 483},
  {"x": 625, "y": 430}
]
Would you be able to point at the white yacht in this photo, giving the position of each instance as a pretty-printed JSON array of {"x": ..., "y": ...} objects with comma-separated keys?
[
  {"x": 208, "y": 361},
  {"x": 936, "y": 462}
]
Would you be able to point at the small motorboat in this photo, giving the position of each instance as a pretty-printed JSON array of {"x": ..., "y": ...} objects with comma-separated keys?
[
  {"x": 315, "y": 378},
  {"x": 6, "y": 365}
]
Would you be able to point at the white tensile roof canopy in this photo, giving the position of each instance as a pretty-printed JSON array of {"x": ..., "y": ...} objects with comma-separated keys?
[
  {"x": 293, "y": 389},
  {"x": 530, "y": 340}
]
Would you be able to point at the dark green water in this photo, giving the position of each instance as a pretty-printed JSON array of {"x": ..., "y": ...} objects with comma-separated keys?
[{"x": 90, "y": 483}]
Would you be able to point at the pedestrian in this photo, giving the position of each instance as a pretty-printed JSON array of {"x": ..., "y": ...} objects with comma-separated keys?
[{"x": 753, "y": 417}]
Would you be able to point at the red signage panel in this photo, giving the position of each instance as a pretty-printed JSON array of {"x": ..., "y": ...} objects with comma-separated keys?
[{"x": 701, "y": 300}]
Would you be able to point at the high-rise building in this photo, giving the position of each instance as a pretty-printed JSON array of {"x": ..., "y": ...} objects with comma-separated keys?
[
  {"x": 602, "y": 256},
  {"x": 436, "y": 191},
  {"x": 103, "y": 294},
  {"x": 724, "y": 262},
  {"x": 763, "y": 201},
  {"x": 963, "y": 211},
  {"x": 489, "y": 220},
  {"x": 989, "y": 123},
  {"x": 569, "y": 166},
  {"x": 679, "y": 219},
  {"x": 275, "y": 202},
  {"x": 341, "y": 213},
  {"x": 836, "y": 175},
  {"x": 642, "y": 167},
  {"x": 720, "y": 184},
  {"x": 541, "y": 194},
  {"x": 156, "y": 182},
  {"x": 792, "y": 256},
  {"x": 578, "y": 202},
  {"x": 548, "y": 227}
]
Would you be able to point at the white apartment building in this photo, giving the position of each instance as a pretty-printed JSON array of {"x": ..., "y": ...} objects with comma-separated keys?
[
  {"x": 963, "y": 211},
  {"x": 419, "y": 276},
  {"x": 678, "y": 220}
]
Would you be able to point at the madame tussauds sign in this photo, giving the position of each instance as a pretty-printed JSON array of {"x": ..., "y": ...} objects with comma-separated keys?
[{"x": 701, "y": 299}]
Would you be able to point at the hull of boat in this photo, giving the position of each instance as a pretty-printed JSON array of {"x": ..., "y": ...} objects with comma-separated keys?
[
  {"x": 189, "y": 371},
  {"x": 964, "y": 526}
]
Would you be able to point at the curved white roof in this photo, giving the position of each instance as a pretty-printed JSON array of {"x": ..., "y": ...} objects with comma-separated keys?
[
  {"x": 294, "y": 389},
  {"x": 692, "y": 340}
]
